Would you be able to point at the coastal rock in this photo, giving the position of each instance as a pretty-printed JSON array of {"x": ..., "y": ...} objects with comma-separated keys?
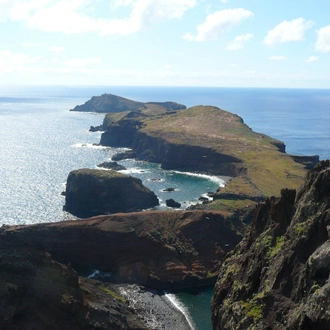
[
  {"x": 112, "y": 166},
  {"x": 172, "y": 203},
  {"x": 157, "y": 249},
  {"x": 278, "y": 276},
  {"x": 169, "y": 189},
  {"x": 36, "y": 292},
  {"x": 107, "y": 103},
  {"x": 92, "y": 192}
]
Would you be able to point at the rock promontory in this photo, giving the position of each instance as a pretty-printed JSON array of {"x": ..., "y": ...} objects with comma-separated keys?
[
  {"x": 108, "y": 103},
  {"x": 278, "y": 276},
  {"x": 92, "y": 192},
  {"x": 210, "y": 140}
]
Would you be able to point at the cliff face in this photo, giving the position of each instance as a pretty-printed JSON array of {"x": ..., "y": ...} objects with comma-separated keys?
[
  {"x": 36, "y": 292},
  {"x": 159, "y": 249},
  {"x": 108, "y": 103},
  {"x": 92, "y": 192},
  {"x": 278, "y": 276}
]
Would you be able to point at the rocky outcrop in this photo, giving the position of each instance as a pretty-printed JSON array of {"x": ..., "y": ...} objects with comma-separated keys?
[
  {"x": 92, "y": 192},
  {"x": 107, "y": 103},
  {"x": 172, "y": 203},
  {"x": 278, "y": 276},
  {"x": 36, "y": 292},
  {"x": 157, "y": 249},
  {"x": 112, "y": 166}
]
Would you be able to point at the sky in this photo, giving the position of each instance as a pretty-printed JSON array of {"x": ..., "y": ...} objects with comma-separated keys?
[{"x": 225, "y": 43}]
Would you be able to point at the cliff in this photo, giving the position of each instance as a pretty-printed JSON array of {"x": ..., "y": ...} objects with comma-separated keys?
[
  {"x": 157, "y": 249},
  {"x": 278, "y": 276},
  {"x": 92, "y": 192},
  {"x": 36, "y": 292},
  {"x": 108, "y": 103},
  {"x": 210, "y": 140}
]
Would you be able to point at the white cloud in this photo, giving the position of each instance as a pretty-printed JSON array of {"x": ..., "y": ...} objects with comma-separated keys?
[
  {"x": 277, "y": 58},
  {"x": 217, "y": 23},
  {"x": 288, "y": 31},
  {"x": 81, "y": 62},
  {"x": 224, "y": 1},
  {"x": 28, "y": 44},
  {"x": 312, "y": 59},
  {"x": 56, "y": 49},
  {"x": 74, "y": 16},
  {"x": 323, "y": 40},
  {"x": 239, "y": 41},
  {"x": 10, "y": 61}
]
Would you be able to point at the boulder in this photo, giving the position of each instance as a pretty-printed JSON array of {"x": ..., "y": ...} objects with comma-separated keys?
[
  {"x": 172, "y": 203},
  {"x": 92, "y": 192}
]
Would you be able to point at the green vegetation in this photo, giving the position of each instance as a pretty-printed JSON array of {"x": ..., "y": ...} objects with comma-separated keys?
[
  {"x": 113, "y": 294},
  {"x": 272, "y": 250},
  {"x": 254, "y": 308},
  {"x": 230, "y": 205},
  {"x": 268, "y": 169}
]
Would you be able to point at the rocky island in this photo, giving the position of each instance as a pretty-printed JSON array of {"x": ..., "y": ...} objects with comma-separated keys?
[{"x": 92, "y": 192}]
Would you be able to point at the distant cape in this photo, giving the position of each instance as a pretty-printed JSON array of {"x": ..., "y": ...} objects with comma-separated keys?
[{"x": 108, "y": 103}]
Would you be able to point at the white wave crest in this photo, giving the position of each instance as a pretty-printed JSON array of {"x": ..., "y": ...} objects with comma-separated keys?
[
  {"x": 88, "y": 145},
  {"x": 181, "y": 307},
  {"x": 218, "y": 179},
  {"x": 134, "y": 170}
]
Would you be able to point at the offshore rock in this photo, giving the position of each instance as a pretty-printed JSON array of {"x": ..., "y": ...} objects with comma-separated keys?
[
  {"x": 92, "y": 192},
  {"x": 278, "y": 276},
  {"x": 172, "y": 203},
  {"x": 112, "y": 166},
  {"x": 157, "y": 249}
]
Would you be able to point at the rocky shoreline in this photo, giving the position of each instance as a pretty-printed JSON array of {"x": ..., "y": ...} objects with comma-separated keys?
[{"x": 155, "y": 308}]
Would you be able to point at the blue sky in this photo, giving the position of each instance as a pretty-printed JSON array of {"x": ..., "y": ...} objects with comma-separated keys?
[{"x": 236, "y": 43}]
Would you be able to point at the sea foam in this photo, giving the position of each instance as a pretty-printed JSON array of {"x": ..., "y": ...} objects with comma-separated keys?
[{"x": 182, "y": 308}]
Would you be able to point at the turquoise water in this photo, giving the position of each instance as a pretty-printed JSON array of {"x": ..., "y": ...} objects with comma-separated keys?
[{"x": 41, "y": 141}]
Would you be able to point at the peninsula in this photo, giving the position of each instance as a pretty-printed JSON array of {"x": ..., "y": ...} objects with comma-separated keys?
[{"x": 209, "y": 140}]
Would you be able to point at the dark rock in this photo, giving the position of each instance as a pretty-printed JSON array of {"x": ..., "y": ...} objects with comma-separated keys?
[
  {"x": 96, "y": 128},
  {"x": 169, "y": 189},
  {"x": 36, "y": 292},
  {"x": 172, "y": 203},
  {"x": 112, "y": 165},
  {"x": 278, "y": 276},
  {"x": 157, "y": 249},
  {"x": 91, "y": 192}
]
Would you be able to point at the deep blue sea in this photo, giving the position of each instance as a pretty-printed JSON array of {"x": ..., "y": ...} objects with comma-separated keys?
[{"x": 41, "y": 141}]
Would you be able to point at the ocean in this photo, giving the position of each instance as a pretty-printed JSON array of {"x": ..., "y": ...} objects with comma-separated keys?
[{"x": 42, "y": 141}]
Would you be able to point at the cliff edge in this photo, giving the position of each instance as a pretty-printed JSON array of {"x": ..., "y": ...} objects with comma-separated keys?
[{"x": 278, "y": 276}]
